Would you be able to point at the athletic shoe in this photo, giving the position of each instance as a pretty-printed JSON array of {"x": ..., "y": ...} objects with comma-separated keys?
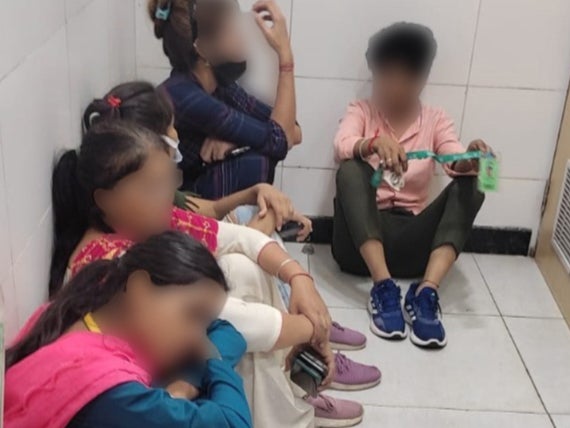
[
  {"x": 353, "y": 376},
  {"x": 346, "y": 339},
  {"x": 386, "y": 311},
  {"x": 334, "y": 412},
  {"x": 423, "y": 313}
]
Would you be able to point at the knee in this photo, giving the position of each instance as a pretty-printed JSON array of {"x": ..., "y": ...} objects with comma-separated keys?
[
  {"x": 350, "y": 172},
  {"x": 245, "y": 278},
  {"x": 466, "y": 190}
]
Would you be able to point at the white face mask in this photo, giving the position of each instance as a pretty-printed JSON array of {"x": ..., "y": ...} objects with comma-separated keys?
[{"x": 174, "y": 144}]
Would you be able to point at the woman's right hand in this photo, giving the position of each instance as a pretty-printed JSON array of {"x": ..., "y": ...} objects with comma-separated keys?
[
  {"x": 276, "y": 33},
  {"x": 391, "y": 154}
]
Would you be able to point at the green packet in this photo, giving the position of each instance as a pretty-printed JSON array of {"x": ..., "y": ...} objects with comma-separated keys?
[{"x": 488, "y": 179}]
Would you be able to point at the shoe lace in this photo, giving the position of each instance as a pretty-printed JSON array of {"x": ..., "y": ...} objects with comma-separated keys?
[
  {"x": 388, "y": 297},
  {"x": 342, "y": 363},
  {"x": 338, "y": 326},
  {"x": 429, "y": 306}
]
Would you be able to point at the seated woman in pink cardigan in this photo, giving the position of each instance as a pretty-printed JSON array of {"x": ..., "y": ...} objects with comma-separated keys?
[{"x": 392, "y": 231}]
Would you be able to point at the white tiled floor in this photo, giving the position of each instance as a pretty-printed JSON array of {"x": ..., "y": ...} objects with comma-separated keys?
[{"x": 507, "y": 363}]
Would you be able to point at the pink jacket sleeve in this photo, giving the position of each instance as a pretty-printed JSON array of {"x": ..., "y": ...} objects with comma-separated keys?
[
  {"x": 446, "y": 141},
  {"x": 350, "y": 131}
]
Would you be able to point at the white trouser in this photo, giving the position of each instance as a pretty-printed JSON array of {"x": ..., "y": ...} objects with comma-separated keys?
[{"x": 252, "y": 308}]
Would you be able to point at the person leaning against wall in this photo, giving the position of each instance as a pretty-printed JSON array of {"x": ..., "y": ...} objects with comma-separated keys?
[
  {"x": 390, "y": 232},
  {"x": 230, "y": 141}
]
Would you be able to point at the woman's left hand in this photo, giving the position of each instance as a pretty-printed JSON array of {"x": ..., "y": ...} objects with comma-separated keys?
[
  {"x": 269, "y": 197},
  {"x": 306, "y": 226},
  {"x": 306, "y": 300}
]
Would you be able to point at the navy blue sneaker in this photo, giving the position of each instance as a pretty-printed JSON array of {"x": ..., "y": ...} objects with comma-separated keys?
[
  {"x": 424, "y": 316},
  {"x": 386, "y": 310}
]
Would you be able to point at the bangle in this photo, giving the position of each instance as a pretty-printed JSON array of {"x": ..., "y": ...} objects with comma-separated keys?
[
  {"x": 287, "y": 67},
  {"x": 282, "y": 265},
  {"x": 292, "y": 277},
  {"x": 360, "y": 149},
  {"x": 370, "y": 147}
]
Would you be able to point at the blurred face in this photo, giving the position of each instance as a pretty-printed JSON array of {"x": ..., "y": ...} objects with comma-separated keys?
[
  {"x": 395, "y": 88},
  {"x": 168, "y": 324},
  {"x": 140, "y": 204},
  {"x": 228, "y": 43}
]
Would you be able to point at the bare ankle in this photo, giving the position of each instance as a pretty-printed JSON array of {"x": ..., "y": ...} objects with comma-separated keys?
[{"x": 426, "y": 283}]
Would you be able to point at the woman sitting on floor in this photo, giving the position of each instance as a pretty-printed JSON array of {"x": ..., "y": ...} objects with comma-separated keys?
[
  {"x": 230, "y": 141},
  {"x": 118, "y": 189},
  {"x": 392, "y": 231},
  {"x": 118, "y": 328}
]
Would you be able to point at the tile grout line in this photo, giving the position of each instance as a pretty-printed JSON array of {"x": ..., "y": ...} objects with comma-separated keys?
[
  {"x": 456, "y": 409},
  {"x": 473, "y": 46},
  {"x": 534, "y": 385}
]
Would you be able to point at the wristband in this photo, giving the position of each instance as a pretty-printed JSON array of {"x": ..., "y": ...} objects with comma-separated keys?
[
  {"x": 292, "y": 277},
  {"x": 287, "y": 67}
]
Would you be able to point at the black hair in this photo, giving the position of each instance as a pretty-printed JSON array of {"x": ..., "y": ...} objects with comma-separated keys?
[
  {"x": 109, "y": 152},
  {"x": 412, "y": 46},
  {"x": 139, "y": 102},
  {"x": 186, "y": 21},
  {"x": 170, "y": 259}
]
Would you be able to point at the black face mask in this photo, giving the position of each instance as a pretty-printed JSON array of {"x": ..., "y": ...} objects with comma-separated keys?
[{"x": 229, "y": 72}]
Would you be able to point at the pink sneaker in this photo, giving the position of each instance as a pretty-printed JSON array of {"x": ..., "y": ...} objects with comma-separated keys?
[
  {"x": 346, "y": 339},
  {"x": 334, "y": 412},
  {"x": 353, "y": 376}
]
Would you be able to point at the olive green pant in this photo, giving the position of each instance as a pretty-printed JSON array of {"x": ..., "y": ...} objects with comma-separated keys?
[{"x": 408, "y": 239}]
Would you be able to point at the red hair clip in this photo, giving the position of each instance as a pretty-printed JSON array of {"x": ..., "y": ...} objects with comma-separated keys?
[{"x": 114, "y": 102}]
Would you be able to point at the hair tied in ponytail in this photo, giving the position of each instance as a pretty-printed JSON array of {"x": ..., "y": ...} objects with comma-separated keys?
[{"x": 162, "y": 13}]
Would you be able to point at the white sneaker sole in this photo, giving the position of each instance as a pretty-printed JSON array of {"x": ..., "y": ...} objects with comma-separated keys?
[
  {"x": 359, "y": 387},
  {"x": 344, "y": 347},
  {"x": 431, "y": 343},
  {"x": 395, "y": 335},
  {"x": 337, "y": 423}
]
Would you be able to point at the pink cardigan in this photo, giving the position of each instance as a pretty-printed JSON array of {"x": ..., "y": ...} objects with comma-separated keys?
[
  {"x": 48, "y": 388},
  {"x": 433, "y": 130}
]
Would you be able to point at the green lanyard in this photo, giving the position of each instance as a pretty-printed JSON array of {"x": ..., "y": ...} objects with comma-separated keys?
[{"x": 488, "y": 173}]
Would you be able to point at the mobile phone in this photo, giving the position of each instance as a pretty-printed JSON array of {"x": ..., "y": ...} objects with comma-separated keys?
[
  {"x": 308, "y": 372},
  {"x": 236, "y": 152},
  {"x": 313, "y": 361},
  {"x": 306, "y": 378},
  {"x": 290, "y": 230}
]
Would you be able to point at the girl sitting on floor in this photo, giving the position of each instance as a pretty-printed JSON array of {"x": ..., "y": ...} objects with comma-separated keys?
[{"x": 92, "y": 356}]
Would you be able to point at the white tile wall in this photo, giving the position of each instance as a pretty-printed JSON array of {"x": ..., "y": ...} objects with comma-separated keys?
[
  {"x": 501, "y": 72},
  {"x": 73, "y": 51}
]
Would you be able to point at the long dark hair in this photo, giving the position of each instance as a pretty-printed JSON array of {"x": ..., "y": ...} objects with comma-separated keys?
[
  {"x": 138, "y": 102},
  {"x": 109, "y": 152},
  {"x": 171, "y": 258},
  {"x": 187, "y": 20}
]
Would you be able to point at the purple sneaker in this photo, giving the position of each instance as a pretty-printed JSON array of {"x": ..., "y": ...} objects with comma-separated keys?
[
  {"x": 346, "y": 339},
  {"x": 353, "y": 376},
  {"x": 334, "y": 412}
]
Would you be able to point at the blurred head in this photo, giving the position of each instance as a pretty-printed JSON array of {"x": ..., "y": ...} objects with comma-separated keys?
[
  {"x": 168, "y": 290},
  {"x": 400, "y": 58},
  {"x": 140, "y": 103},
  {"x": 201, "y": 30},
  {"x": 122, "y": 179}
]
